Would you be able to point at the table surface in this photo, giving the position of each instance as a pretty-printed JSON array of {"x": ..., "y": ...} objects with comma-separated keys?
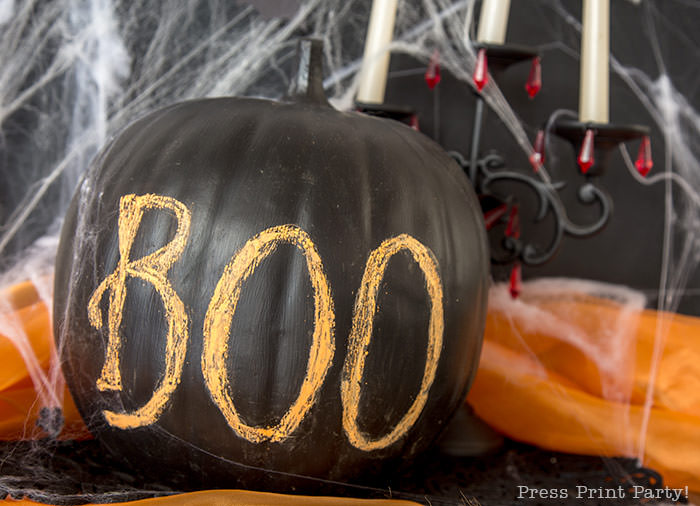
[{"x": 69, "y": 472}]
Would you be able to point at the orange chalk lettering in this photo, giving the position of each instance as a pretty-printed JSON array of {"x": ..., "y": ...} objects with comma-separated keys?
[
  {"x": 153, "y": 269},
  {"x": 361, "y": 334},
  {"x": 217, "y": 326}
]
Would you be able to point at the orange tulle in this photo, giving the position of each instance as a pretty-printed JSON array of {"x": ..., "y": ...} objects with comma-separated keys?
[
  {"x": 25, "y": 317},
  {"x": 547, "y": 378},
  {"x": 567, "y": 373}
]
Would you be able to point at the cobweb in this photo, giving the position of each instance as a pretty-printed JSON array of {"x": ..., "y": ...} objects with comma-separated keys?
[{"x": 75, "y": 72}]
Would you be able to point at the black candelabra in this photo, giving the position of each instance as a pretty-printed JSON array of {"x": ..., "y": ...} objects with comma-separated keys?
[{"x": 592, "y": 145}]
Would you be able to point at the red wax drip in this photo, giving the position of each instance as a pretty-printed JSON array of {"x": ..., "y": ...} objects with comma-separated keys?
[
  {"x": 481, "y": 71},
  {"x": 513, "y": 227},
  {"x": 516, "y": 280},
  {"x": 644, "y": 162},
  {"x": 414, "y": 122},
  {"x": 537, "y": 156},
  {"x": 585, "y": 156},
  {"x": 492, "y": 216},
  {"x": 534, "y": 81},
  {"x": 432, "y": 75}
]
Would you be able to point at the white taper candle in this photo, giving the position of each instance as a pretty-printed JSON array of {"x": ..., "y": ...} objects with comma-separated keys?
[
  {"x": 595, "y": 57},
  {"x": 375, "y": 62},
  {"x": 493, "y": 21}
]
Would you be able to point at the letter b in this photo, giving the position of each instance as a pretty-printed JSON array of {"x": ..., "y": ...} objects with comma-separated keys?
[{"x": 152, "y": 269}]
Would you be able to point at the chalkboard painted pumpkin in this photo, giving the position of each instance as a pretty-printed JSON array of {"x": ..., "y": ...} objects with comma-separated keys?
[{"x": 246, "y": 286}]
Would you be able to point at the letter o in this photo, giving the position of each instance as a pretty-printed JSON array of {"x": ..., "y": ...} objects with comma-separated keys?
[
  {"x": 361, "y": 334},
  {"x": 217, "y": 326}
]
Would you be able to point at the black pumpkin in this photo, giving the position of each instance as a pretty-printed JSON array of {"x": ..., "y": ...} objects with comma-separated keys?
[{"x": 245, "y": 285}]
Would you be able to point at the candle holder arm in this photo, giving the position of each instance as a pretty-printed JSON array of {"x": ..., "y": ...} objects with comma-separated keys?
[{"x": 489, "y": 170}]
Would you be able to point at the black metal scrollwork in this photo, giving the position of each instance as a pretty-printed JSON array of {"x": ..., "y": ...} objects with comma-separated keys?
[{"x": 489, "y": 170}]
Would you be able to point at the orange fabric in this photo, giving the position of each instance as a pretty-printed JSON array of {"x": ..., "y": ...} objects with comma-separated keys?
[
  {"x": 24, "y": 315},
  {"x": 572, "y": 395},
  {"x": 247, "y": 498}
]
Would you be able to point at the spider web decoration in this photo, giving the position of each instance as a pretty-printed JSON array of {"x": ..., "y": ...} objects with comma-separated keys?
[{"x": 75, "y": 72}]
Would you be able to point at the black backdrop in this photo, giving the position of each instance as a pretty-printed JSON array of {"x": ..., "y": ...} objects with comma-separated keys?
[{"x": 629, "y": 250}]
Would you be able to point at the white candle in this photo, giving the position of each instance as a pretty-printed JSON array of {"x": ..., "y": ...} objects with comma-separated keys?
[
  {"x": 375, "y": 62},
  {"x": 595, "y": 55},
  {"x": 493, "y": 21}
]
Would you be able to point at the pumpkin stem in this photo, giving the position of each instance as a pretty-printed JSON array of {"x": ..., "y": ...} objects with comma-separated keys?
[{"x": 308, "y": 85}]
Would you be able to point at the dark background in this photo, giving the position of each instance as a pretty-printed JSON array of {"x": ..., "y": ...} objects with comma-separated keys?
[
  {"x": 656, "y": 37},
  {"x": 629, "y": 250}
]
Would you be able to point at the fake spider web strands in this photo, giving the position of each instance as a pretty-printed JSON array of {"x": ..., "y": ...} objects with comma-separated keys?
[
  {"x": 680, "y": 125},
  {"x": 77, "y": 71}
]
